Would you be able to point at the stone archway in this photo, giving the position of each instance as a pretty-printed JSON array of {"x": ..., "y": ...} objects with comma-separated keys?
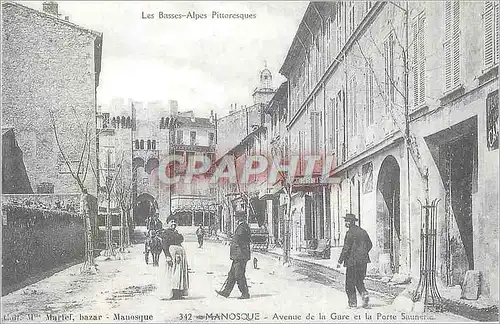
[
  {"x": 388, "y": 216},
  {"x": 145, "y": 206}
]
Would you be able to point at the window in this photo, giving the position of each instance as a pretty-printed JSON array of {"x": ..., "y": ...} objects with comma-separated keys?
[
  {"x": 142, "y": 145},
  {"x": 153, "y": 145},
  {"x": 210, "y": 139},
  {"x": 390, "y": 92},
  {"x": 315, "y": 131},
  {"x": 419, "y": 60},
  {"x": 192, "y": 138},
  {"x": 331, "y": 124},
  {"x": 451, "y": 44},
  {"x": 341, "y": 116},
  {"x": 351, "y": 24},
  {"x": 339, "y": 25},
  {"x": 301, "y": 153},
  {"x": 328, "y": 38},
  {"x": 149, "y": 144},
  {"x": 353, "y": 114},
  {"x": 491, "y": 33},
  {"x": 319, "y": 63},
  {"x": 369, "y": 91},
  {"x": 136, "y": 144},
  {"x": 336, "y": 125},
  {"x": 179, "y": 139}
]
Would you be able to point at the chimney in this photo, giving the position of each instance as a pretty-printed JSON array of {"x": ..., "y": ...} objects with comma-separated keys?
[
  {"x": 211, "y": 116},
  {"x": 66, "y": 18},
  {"x": 51, "y": 7}
]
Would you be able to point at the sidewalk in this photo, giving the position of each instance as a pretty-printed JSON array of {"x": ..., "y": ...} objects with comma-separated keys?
[{"x": 483, "y": 309}]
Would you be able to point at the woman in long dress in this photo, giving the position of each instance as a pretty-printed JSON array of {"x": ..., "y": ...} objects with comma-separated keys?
[{"x": 174, "y": 281}]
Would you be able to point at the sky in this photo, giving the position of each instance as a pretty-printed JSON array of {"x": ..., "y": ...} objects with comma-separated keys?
[{"x": 204, "y": 64}]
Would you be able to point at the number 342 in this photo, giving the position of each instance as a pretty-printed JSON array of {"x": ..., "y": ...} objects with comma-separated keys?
[{"x": 185, "y": 317}]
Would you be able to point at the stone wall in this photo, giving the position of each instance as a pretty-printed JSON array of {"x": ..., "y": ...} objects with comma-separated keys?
[
  {"x": 36, "y": 240},
  {"x": 48, "y": 64}
]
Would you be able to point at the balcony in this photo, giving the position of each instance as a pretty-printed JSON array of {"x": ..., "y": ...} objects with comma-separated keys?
[{"x": 193, "y": 148}]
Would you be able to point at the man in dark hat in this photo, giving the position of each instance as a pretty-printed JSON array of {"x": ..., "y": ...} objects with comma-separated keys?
[
  {"x": 355, "y": 257},
  {"x": 240, "y": 254},
  {"x": 200, "y": 233}
]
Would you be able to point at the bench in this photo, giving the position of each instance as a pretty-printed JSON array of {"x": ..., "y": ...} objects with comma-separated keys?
[{"x": 322, "y": 250}]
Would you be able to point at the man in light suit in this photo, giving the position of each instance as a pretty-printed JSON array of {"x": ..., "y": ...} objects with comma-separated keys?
[{"x": 355, "y": 257}]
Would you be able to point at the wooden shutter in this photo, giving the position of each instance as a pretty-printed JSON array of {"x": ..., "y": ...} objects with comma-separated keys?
[
  {"x": 315, "y": 131},
  {"x": 489, "y": 31},
  {"x": 456, "y": 43},
  {"x": 448, "y": 72},
  {"x": 354, "y": 112},
  {"x": 368, "y": 92},
  {"x": 419, "y": 60},
  {"x": 421, "y": 57},
  {"x": 497, "y": 33}
]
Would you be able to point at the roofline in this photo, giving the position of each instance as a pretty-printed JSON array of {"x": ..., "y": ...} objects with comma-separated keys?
[
  {"x": 57, "y": 19},
  {"x": 299, "y": 27}
]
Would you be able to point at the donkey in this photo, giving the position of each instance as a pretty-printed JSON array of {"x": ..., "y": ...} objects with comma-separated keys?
[{"x": 155, "y": 247}]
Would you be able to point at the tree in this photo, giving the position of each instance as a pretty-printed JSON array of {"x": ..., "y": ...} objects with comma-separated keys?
[
  {"x": 123, "y": 194},
  {"x": 404, "y": 43},
  {"x": 278, "y": 149},
  {"x": 82, "y": 149},
  {"x": 109, "y": 189}
]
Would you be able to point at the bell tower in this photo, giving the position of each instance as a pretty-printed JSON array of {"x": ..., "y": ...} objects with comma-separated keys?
[{"x": 264, "y": 92}]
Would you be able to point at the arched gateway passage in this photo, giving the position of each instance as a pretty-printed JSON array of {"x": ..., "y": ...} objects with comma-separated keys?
[
  {"x": 388, "y": 214},
  {"x": 145, "y": 206}
]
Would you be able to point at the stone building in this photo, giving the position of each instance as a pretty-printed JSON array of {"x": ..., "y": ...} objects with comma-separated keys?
[
  {"x": 406, "y": 119},
  {"x": 241, "y": 133},
  {"x": 193, "y": 202},
  {"x": 50, "y": 67},
  {"x": 135, "y": 136}
]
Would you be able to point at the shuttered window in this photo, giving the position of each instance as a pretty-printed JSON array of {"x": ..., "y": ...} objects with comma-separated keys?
[
  {"x": 340, "y": 25},
  {"x": 315, "y": 131},
  {"x": 353, "y": 113},
  {"x": 452, "y": 44},
  {"x": 419, "y": 60},
  {"x": 390, "y": 91},
  {"x": 331, "y": 125},
  {"x": 344, "y": 119},
  {"x": 369, "y": 92},
  {"x": 491, "y": 33}
]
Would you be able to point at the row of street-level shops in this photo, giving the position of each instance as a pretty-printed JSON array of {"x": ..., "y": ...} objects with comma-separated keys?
[{"x": 388, "y": 192}]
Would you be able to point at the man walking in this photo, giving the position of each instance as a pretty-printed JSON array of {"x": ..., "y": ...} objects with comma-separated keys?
[
  {"x": 200, "y": 233},
  {"x": 354, "y": 256},
  {"x": 240, "y": 254}
]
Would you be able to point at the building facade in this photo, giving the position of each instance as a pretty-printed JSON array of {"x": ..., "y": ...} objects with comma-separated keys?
[
  {"x": 242, "y": 133},
  {"x": 50, "y": 74},
  {"x": 395, "y": 92},
  {"x": 134, "y": 137}
]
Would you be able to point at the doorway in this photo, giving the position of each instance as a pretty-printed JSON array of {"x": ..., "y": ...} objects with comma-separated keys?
[
  {"x": 454, "y": 151},
  {"x": 388, "y": 212},
  {"x": 458, "y": 169}
]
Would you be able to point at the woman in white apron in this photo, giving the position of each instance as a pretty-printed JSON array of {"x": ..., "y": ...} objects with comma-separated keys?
[{"x": 174, "y": 277}]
